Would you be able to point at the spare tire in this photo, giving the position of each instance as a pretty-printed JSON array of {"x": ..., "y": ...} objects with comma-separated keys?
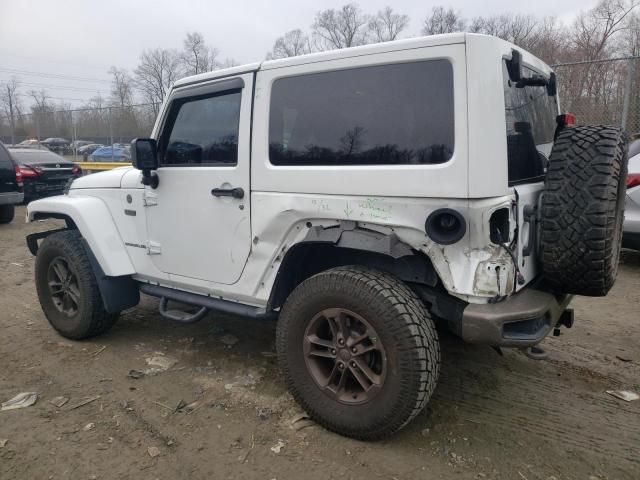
[{"x": 583, "y": 210}]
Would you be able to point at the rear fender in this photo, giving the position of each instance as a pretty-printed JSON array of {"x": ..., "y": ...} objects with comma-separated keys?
[{"x": 91, "y": 216}]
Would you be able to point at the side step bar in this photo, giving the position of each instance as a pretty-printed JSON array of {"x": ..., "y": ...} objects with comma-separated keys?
[{"x": 205, "y": 302}]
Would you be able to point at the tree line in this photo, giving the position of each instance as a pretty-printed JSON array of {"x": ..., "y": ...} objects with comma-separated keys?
[{"x": 608, "y": 30}]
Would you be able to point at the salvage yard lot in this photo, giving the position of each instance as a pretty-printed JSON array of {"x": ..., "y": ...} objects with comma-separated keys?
[{"x": 222, "y": 410}]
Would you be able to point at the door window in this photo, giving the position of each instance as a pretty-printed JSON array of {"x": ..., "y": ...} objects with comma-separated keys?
[{"x": 203, "y": 130}]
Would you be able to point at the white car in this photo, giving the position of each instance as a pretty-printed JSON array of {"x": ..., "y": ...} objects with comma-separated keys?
[
  {"x": 356, "y": 196},
  {"x": 631, "y": 235}
]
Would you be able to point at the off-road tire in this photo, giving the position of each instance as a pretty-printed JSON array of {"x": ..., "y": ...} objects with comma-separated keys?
[
  {"x": 403, "y": 326},
  {"x": 583, "y": 210},
  {"x": 91, "y": 318},
  {"x": 7, "y": 212}
]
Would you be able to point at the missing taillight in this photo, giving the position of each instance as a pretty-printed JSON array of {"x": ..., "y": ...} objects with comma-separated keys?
[{"x": 499, "y": 226}]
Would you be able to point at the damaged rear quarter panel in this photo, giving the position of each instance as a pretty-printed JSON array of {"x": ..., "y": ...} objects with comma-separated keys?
[{"x": 281, "y": 220}]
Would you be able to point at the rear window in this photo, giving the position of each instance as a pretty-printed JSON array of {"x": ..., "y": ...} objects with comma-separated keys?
[
  {"x": 32, "y": 157},
  {"x": 380, "y": 115},
  {"x": 530, "y": 115}
]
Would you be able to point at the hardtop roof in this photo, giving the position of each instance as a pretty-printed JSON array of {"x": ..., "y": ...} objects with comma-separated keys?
[{"x": 405, "y": 44}]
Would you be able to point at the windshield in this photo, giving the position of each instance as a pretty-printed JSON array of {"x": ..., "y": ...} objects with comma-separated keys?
[{"x": 530, "y": 115}]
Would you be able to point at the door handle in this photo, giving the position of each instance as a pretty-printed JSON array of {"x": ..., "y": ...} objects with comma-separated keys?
[{"x": 228, "y": 192}]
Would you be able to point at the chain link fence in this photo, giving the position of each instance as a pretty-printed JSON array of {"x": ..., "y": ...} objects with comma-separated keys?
[
  {"x": 63, "y": 131},
  {"x": 602, "y": 92},
  {"x": 596, "y": 92}
]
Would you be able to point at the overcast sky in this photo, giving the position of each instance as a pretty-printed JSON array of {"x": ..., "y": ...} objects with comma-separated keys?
[{"x": 44, "y": 42}]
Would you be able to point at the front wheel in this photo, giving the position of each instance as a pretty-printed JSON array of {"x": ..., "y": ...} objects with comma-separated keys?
[
  {"x": 358, "y": 351},
  {"x": 67, "y": 288}
]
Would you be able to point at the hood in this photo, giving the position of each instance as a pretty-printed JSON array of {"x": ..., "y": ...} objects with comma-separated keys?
[{"x": 108, "y": 179}]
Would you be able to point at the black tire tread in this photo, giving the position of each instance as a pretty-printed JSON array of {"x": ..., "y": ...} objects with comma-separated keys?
[
  {"x": 95, "y": 319},
  {"x": 582, "y": 210},
  {"x": 412, "y": 328},
  {"x": 7, "y": 213}
]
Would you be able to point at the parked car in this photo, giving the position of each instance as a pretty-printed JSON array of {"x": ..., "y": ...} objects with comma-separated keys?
[
  {"x": 87, "y": 150},
  {"x": 76, "y": 144},
  {"x": 31, "y": 141},
  {"x": 44, "y": 173},
  {"x": 11, "y": 187},
  {"x": 631, "y": 234},
  {"x": 357, "y": 196},
  {"x": 110, "y": 154},
  {"x": 57, "y": 145}
]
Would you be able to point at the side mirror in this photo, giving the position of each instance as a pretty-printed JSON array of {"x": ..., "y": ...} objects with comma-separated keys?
[{"x": 144, "y": 157}]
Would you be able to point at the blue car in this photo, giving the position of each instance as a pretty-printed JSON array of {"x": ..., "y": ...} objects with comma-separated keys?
[{"x": 110, "y": 154}]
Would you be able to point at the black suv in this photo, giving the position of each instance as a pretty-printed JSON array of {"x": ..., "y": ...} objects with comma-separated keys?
[{"x": 10, "y": 186}]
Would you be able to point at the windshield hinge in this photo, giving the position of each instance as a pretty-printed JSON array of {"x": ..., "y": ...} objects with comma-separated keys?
[
  {"x": 149, "y": 198},
  {"x": 153, "y": 248}
]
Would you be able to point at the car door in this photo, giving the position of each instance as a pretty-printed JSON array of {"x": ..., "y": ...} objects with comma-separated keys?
[
  {"x": 198, "y": 216},
  {"x": 7, "y": 173}
]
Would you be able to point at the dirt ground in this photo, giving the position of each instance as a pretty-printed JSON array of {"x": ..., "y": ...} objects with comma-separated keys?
[{"x": 221, "y": 411}]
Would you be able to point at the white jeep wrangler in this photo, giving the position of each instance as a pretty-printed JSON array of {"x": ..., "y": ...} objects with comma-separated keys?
[{"x": 358, "y": 197}]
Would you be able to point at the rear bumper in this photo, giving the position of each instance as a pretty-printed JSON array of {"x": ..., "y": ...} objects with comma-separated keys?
[
  {"x": 11, "y": 198},
  {"x": 522, "y": 320},
  {"x": 33, "y": 190}
]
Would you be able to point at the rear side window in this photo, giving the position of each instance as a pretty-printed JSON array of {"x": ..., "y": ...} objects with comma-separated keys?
[
  {"x": 381, "y": 115},
  {"x": 530, "y": 115},
  {"x": 203, "y": 130}
]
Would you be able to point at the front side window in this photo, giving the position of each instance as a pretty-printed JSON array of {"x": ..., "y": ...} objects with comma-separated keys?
[
  {"x": 380, "y": 115},
  {"x": 203, "y": 130},
  {"x": 530, "y": 115}
]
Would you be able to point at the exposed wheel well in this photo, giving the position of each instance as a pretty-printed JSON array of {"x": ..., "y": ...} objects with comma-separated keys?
[{"x": 306, "y": 259}]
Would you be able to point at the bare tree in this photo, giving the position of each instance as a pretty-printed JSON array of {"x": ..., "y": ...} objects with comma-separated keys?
[
  {"x": 9, "y": 98},
  {"x": 387, "y": 25},
  {"x": 519, "y": 29},
  {"x": 443, "y": 20},
  {"x": 41, "y": 110},
  {"x": 342, "y": 28},
  {"x": 158, "y": 69},
  {"x": 549, "y": 41},
  {"x": 40, "y": 99},
  {"x": 121, "y": 87},
  {"x": 293, "y": 43},
  {"x": 593, "y": 30},
  {"x": 197, "y": 57}
]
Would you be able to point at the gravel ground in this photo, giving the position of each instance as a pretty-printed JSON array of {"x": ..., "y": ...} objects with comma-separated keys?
[{"x": 221, "y": 411}]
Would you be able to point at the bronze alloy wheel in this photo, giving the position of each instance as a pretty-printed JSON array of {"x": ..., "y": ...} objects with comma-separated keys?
[
  {"x": 345, "y": 356},
  {"x": 358, "y": 351},
  {"x": 63, "y": 287},
  {"x": 67, "y": 287}
]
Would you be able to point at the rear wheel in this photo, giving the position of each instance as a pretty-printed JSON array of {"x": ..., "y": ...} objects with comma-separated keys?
[
  {"x": 358, "y": 351},
  {"x": 7, "y": 212},
  {"x": 67, "y": 288}
]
